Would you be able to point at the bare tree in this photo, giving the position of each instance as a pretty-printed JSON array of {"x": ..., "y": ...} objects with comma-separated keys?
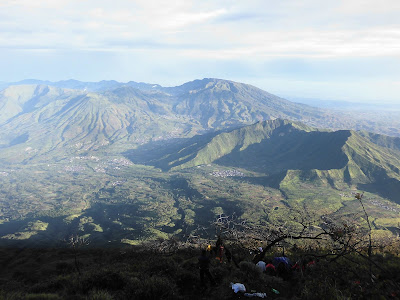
[
  {"x": 76, "y": 242},
  {"x": 359, "y": 198},
  {"x": 340, "y": 237}
]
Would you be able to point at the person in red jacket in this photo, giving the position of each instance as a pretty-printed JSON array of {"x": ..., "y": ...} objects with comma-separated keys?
[{"x": 270, "y": 268}]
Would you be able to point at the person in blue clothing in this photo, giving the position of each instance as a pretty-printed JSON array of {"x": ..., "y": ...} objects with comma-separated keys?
[
  {"x": 282, "y": 259},
  {"x": 283, "y": 267}
]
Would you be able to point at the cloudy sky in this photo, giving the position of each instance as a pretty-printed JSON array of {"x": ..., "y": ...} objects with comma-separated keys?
[{"x": 327, "y": 49}]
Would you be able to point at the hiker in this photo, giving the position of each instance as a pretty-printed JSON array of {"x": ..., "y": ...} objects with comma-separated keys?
[
  {"x": 230, "y": 257},
  {"x": 298, "y": 269},
  {"x": 261, "y": 265},
  {"x": 220, "y": 253},
  {"x": 204, "y": 266},
  {"x": 282, "y": 259},
  {"x": 299, "y": 266},
  {"x": 311, "y": 263},
  {"x": 218, "y": 243},
  {"x": 270, "y": 268},
  {"x": 282, "y": 265},
  {"x": 219, "y": 249},
  {"x": 282, "y": 271}
]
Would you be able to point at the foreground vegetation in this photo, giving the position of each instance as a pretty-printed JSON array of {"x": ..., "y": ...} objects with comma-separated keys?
[
  {"x": 336, "y": 258},
  {"x": 147, "y": 272}
]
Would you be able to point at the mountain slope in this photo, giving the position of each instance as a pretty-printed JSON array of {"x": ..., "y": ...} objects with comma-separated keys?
[
  {"x": 261, "y": 146},
  {"x": 79, "y": 121},
  {"x": 17, "y": 100},
  {"x": 220, "y": 103},
  {"x": 382, "y": 140},
  {"x": 282, "y": 147}
]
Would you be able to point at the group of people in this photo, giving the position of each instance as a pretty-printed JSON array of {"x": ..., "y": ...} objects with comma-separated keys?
[{"x": 281, "y": 266}]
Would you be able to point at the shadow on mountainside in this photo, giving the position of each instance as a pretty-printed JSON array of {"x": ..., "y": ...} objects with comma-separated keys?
[
  {"x": 293, "y": 151},
  {"x": 384, "y": 186},
  {"x": 168, "y": 153},
  {"x": 297, "y": 150},
  {"x": 272, "y": 181}
]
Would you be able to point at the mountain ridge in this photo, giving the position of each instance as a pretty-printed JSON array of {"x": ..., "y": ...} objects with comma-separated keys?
[
  {"x": 279, "y": 146},
  {"x": 119, "y": 116}
]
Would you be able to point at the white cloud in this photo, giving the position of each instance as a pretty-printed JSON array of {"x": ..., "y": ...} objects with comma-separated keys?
[
  {"x": 307, "y": 43},
  {"x": 284, "y": 29},
  {"x": 356, "y": 7},
  {"x": 223, "y": 32}
]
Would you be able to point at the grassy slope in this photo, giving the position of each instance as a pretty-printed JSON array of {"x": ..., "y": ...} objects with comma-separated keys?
[
  {"x": 88, "y": 121},
  {"x": 237, "y": 140}
]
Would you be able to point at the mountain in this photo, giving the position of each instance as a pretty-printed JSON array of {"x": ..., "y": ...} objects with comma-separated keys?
[
  {"x": 46, "y": 119},
  {"x": 220, "y": 103},
  {"x": 43, "y": 118},
  {"x": 279, "y": 147}
]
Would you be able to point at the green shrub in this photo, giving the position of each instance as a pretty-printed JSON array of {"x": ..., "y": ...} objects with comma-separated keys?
[
  {"x": 165, "y": 266},
  {"x": 107, "y": 280},
  {"x": 219, "y": 272},
  {"x": 250, "y": 270},
  {"x": 11, "y": 296},
  {"x": 99, "y": 295},
  {"x": 315, "y": 289},
  {"x": 186, "y": 280},
  {"x": 152, "y": 288},
  {"x": 64, "y": 268}
]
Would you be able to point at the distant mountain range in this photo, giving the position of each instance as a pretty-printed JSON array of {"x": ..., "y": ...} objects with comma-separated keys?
[
  {"x": 54, "y": 118},
  {"x": 347, "y": 105},
  {"x": 81, "y": 85}
]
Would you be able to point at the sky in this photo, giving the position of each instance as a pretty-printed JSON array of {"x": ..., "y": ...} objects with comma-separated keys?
[{"x": 326, "y": 49}]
